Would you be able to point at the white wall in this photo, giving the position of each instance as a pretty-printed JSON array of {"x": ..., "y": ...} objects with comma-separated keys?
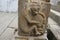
[
  {"x": 12, "y": 5},
  {"x": 8, "y": 5},
  {"x": 54, "y": 2}
]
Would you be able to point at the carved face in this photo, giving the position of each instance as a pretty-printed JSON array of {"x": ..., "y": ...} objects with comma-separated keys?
[
  {"x": 35, "y": 11},
  {"x": 35, "y": 8}
]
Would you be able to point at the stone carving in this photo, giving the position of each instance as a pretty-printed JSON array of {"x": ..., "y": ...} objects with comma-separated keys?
[
  {"x": 37, "y": 15},
  {"x": 32, "y": 19}
]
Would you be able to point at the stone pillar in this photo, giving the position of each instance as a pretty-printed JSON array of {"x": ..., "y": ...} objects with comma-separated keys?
[
  {"x": 21, "y": 4},
  {"x": 21, "y": 35},
  {"x": 45, "y": 8}
]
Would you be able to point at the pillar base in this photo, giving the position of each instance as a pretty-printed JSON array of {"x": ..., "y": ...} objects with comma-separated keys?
[{"x": 43, "y": 37}]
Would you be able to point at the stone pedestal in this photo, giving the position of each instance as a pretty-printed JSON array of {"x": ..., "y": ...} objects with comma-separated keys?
[{"x": 43, "y": 37}]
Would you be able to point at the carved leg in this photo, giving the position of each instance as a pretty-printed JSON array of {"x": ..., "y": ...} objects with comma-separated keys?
[
  {"x": 36, "y": 30},
  {"x": 41, "y": 28},
  {"x": 34, "y": 27}
]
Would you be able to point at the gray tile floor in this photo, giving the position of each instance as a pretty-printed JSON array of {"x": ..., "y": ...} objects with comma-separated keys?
[{"x": 6, "y": 19}]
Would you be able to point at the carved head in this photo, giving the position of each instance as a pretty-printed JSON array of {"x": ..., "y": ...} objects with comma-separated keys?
[{"x": 35, "y": 7}]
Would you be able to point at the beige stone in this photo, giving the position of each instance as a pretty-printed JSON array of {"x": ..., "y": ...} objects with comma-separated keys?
[
  {"x": 43, "y": 37},
  {"x": 45, "y": 8},
  {"x": 46, "y": 0},
  {"x": 32, "y": 17},
  {"x": 21, "y": 39}
]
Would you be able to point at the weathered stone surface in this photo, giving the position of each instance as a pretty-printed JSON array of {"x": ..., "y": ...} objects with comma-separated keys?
[
  {"x": 43, "y": 37},
  {"x": 32, "y": 17},
  {"x": 22, "y": 39},
  {"x": 46, "y": 0}
]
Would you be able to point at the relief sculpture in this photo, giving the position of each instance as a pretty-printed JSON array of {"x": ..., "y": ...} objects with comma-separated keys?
[{"x": 32, "y": 19}]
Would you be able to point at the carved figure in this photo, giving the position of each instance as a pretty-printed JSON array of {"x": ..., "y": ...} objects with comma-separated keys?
[
  {"x": 38, "y": 16},
  {"x": 32, "y": 21}
]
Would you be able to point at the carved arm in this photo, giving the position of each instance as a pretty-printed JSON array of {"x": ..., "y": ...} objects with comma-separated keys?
[{"x": 29, "y": 19}]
